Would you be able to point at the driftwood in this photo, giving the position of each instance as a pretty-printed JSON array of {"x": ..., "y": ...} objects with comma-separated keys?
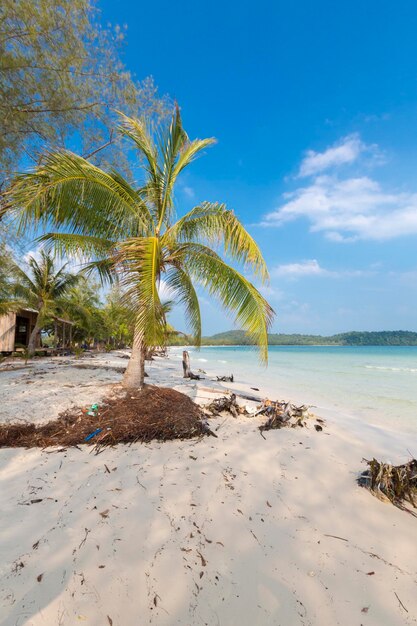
[
  {"x": 396, "y": 483},
  {"x": 225, "y": 379},
  {"x": 226, "y": 403},
  {"x": 279, "y": 414},
  {"x": 282, "y": 414},
  {"x": 250, "y": 398},
  {"x": 186, "y": 367},
  {"x": 155, "y": 351},
  {"x": 186, "y": 364},
  {"x": 194, "y": 376}
]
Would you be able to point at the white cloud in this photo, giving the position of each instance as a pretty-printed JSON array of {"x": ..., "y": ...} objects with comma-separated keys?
[
  {"x": 347, "y": 209},
  {"x": 312, "y": 267},
  {"x": 35, "y": 253},
  {"x": 345, "y": 152},
  {"x": 273, "y": 294},
  {"x": 189, "y": 191},
  {"x": 305, "y": 268},
  {"x": 350, "y": 209}
]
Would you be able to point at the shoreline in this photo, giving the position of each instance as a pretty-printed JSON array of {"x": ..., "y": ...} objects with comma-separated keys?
[
  {"x": 272, "y": 531},
  {"x": 342, "y": 415},
  {"x": 298, "y": 345}
]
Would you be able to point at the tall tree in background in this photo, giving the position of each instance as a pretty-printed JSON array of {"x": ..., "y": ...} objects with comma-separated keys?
[
  {"x": 60, "y": 74},
  {"x": 41, "y": 289},
  {"x": 117, "y": 318},
  {"x": 110, "y": 321},
  {"x": 81, "y": 304},
  {"x": 131, "y": 232},
  {"x": 7, "y": 300}
]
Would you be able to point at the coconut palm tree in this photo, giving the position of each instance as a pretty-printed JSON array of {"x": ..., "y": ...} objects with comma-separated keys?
[
  {"x": 81, "y": 304},
  {"x": 129, "y": 230},
  {"x": 118, "y": 320},
  {"x": 42, "y": 289}
]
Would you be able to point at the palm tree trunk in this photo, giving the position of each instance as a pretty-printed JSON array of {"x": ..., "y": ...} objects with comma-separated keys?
[
  {"x": 33, "y": 337},
  {"x": 135, "y": 372}
]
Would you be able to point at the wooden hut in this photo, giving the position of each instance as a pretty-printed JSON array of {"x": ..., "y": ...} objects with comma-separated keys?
[{"x": 16, "y": 327}]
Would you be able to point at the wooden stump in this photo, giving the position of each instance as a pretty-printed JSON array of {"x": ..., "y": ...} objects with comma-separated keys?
[{"x": 186, "y": 364}]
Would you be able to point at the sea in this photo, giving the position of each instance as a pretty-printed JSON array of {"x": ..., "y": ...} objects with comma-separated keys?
[{"x": 375, "y": 384}]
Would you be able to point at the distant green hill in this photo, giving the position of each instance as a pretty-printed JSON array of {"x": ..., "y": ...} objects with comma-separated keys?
[{"x": 383, "y": 338}]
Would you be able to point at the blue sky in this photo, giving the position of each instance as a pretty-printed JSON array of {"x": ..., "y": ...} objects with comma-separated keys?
[{"x": 314, "y": 105}]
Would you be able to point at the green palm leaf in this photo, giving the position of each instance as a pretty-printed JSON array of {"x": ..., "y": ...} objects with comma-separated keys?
[
  {"x": 213, "y": 223},
  {"x": 138, "y": 131},
  {"x": 237, "y": 295},
  {"x": 141, "y": 261},
  {"x": 181, "y": 285},
  {"x": 68, "y": 192},
  {"x": 87, "y": 246}
]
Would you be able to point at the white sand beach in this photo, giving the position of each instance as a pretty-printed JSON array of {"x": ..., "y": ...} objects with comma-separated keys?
[{"x": 233, "y": 531}]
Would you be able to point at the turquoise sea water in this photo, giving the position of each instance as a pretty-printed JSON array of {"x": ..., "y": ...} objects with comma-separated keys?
[{"x": 376, "y": 384}]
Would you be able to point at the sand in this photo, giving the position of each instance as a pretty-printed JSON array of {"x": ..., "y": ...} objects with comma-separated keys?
[{"x": 230, "y": 531}]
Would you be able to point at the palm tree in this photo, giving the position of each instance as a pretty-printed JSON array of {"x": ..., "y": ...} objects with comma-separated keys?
[
  {"x": 118, "y": 320},
  {"x": 130, "y": 231},
  {"x": 42, "y": 290},
  {"x": 81, "y": 304}
]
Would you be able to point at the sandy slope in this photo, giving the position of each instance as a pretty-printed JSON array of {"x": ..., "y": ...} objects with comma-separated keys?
[{"x": 232, "y": 531}]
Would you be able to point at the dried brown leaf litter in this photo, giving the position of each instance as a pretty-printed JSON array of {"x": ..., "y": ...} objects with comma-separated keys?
[
  {"x": 396, "y": 483},
  {"x": 154, "y": 413}
]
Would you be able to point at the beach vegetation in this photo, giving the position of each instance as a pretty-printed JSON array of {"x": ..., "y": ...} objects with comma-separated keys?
[
  {"x": 62, "y": 77},
  {"x": 41, "y": 288},
  {"x": 7, "y": 300}
]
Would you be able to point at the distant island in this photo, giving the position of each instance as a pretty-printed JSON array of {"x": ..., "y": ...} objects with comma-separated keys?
[{"x": 354, "y": 338}]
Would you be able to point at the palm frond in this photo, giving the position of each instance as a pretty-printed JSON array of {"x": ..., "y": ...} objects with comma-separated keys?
[
  {"x": 8, "y": 306},
  {"x": 68, "y": 192},
  {"x": 63, "y": 283},
  {"x": 177, "y": 151},
  {"x": 138, "y": 131},
  {"x": 25, "y": 294},
  {"x": 104, "y": 269},
  {"x": 140, "y": 259},
  {"x": 68, "y": 244},
  {"x": 238, "y": 296},
  {"x": 181, "y": 284},
  {"x": 189, "y": 153},
  {"x": 21, "y": 280},
  {"x": 215, "y": 224},
  {"x": 170, "y": 143}
]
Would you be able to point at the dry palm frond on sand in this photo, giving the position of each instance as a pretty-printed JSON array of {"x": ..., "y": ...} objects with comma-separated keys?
[{"x": 396, "y": 483}]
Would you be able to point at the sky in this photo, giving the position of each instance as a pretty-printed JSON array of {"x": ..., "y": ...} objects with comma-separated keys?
[{"x": 314, "y": 106}]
